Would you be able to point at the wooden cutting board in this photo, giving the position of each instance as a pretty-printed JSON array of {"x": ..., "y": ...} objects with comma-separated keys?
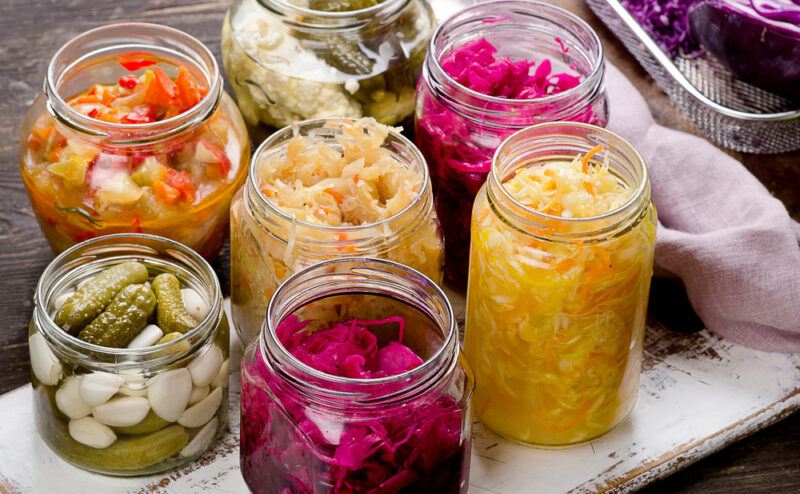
[{"x": 698, "y": 394}]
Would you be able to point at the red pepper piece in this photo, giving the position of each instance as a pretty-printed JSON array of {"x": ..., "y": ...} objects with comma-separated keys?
[
  {"x": 141, "y": 114},
  {"x": 189, "y": 91},
  {"x": 129, "y": 81},
  {"x": 93, "y": 113},
  {"x": 135, "y": 61},
  {"x": 162, "y": 91},
  {"x": 182, "y": 182},
  {"x": 222, "y": 161}
]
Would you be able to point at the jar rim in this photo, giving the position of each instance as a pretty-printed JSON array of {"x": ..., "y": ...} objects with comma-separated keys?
[
  {"x": 429, "y": 366},
  {"x": 363, "y": 14},
  {"x": 592, "y": 80},
  {"x": 639, "y": 191},
  {"x": 138, "y": 35},
  {"x": 148, "y": 354},
  {"x": 273, "y": 141}
]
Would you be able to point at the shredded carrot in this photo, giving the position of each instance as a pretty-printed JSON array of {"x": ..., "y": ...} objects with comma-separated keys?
[
  {"x": 336, "y": 195},
  {"x": 588, "y": 157},
  {"x": 589, "y": 188}
]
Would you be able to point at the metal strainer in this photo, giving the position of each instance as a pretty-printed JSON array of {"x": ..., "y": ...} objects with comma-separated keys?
[{"x": 730, "y": 112}]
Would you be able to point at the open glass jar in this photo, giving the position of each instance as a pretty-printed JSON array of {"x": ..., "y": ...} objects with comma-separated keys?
[
  {"x": 291, "y": 60},
  {"x": 139, "y": 409},
  {"x": 134, "y": 134},
  {"x": 268, "y": 244},
  {"x": 403, "y": 428},
  {"x": 458, "y": 127},
  {"x": 556, "y": 303}
]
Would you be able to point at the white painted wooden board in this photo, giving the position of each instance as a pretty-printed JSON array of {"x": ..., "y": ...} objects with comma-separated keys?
[{"x": 698, "y": 394}]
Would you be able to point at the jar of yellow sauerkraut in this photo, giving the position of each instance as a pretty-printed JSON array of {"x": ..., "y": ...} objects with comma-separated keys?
[
  {"x": 563, "y": 235},
  {"x": 326, "y": 189},
  {"x": 291, "y": 60}
]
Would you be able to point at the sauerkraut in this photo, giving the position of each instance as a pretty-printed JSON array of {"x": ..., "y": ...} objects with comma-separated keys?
[
  {"x": 555, "y": 327},
  {"x": 353, "y": 193}
]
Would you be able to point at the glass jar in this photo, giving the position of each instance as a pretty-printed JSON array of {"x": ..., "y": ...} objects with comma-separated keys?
[
  {"x": 556, "y": 306},
  {"x": 287, "y": 61},
  {"x": 458, "y": 129},
  {"x": 173, "y": 177},
  {"x": 268, "y": 245},
  {"x": 129, "y": 411},
  {"x": 305, "y": 430}
]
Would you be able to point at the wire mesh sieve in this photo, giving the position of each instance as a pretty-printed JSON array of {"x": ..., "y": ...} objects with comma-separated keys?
[{"x": 730, "y": 112}]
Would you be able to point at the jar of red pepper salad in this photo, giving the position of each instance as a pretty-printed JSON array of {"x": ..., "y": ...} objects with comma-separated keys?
[
  {"x": 134, "y": 133},
  {"x": 356, "y": 385},
  {"x": 493, "y": 69}
]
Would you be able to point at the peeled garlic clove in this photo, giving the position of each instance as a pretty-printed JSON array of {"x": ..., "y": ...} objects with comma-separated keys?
[
  {"x": 122, "y": 412},
  {"x": 194, "y": 303},
  {"x": 222, "y": 376},
  {"x": 202, "y": 440},
  {"x": 62, "y": 299},
  {"x": 146, "y": 337},
  {"x": 198, "y": 393},
  {"x": 98, "y": 387},
  {"x": 68, "y": 399},
  {"x": 205, "y": 367},
  {"x": 46, "y": 367},
  {"x": 92, "y": 433},
  {"x": 199, "y": 414},
  {"x": 169, "y": 393}
]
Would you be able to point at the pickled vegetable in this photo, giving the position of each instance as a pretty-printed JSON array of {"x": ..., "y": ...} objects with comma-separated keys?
[
  {"x": 179, "y": 187},
  {"x": 151, "y": 423},
  {"x": 123, "y": 319},
  {"x": 555, "y": 328},
  {"x": 129, "y": 454},
  {"x": 332, "y": 72},
  {"x": 356, "y": 181},
  {"x": 91, "y": 298},
  {"x": 171, "y": 315}
]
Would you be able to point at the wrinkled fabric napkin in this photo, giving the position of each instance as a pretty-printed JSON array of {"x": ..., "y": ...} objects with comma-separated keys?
[{"x": 735, "y": 246}]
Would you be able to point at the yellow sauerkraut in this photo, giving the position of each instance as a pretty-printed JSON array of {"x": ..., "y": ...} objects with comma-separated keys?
[
  {"x": 555, "y": 327},
  {"x": 353, "y": 195}
]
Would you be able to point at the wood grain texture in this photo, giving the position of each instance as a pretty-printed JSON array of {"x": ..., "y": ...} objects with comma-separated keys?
[{"x": 31, "y": 31}]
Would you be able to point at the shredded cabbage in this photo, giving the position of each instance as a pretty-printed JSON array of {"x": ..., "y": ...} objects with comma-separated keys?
[
  {"x": 667, "y": 22},
  {"x": 289, "y": 445},
  {"x": 354, "y": 181},
  {"x": 459, "y": 150},
  {"x": 555, "y": 328}
]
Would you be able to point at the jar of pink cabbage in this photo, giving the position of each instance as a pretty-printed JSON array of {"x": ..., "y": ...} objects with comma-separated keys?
[
  {"x": 356, "y": 385},
  {"x": 493, "y": 69}
]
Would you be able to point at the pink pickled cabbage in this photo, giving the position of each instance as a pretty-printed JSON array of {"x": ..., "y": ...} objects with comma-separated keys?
[
  {"x": 666, "y": 21},
  {"x": 459, "y": 150},
  {"x": 288, "y": 447}
]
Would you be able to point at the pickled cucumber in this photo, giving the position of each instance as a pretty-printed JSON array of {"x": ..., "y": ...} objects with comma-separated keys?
[
  {"x": 91, "y": 298},
  {"x": 123, "y": 319},
  {"x": 129, "y": 454},
  {"x": 346, "y": 57},
  {"x": 150, "y": 423},
  {"x": 168, "y": 338},
  {"x": 171, "y": 314}
]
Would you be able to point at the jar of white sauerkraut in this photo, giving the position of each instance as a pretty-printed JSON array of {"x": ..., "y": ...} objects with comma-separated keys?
[
  {"x": 563, "y": 236},
  {"x": 327, "y": 189},
  {"x": 291, "y": 60}
]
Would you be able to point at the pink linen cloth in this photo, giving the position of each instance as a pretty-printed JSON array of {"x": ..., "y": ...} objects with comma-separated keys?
[{"x": 734, "y": 245}]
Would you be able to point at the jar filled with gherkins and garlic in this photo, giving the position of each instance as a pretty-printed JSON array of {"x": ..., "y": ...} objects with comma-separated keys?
[
  {"x": 129, "y": 349},
  {"x": 291, "y": 60}
]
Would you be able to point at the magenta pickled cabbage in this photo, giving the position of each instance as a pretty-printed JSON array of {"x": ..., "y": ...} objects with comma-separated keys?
[
  {"x": 666, "y": 21},
  {"x": 459, "y": 150},
  {"x": 291, "y": 447}
]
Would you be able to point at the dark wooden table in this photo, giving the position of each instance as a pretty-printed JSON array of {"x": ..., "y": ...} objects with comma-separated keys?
[{"x": 31, "y": 31}]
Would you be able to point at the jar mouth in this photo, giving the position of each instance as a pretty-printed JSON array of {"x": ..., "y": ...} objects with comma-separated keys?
[
  {"x": 359, "y": 16},
  {"x": 107, "y": 41},
  {"x": 128, "y": 246},
  {"x": 594, "y": 135},
  {"x": 529, "y": 8},
  {"x": 391, "y": 272},
  {"x": 280, "y": 137}
]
